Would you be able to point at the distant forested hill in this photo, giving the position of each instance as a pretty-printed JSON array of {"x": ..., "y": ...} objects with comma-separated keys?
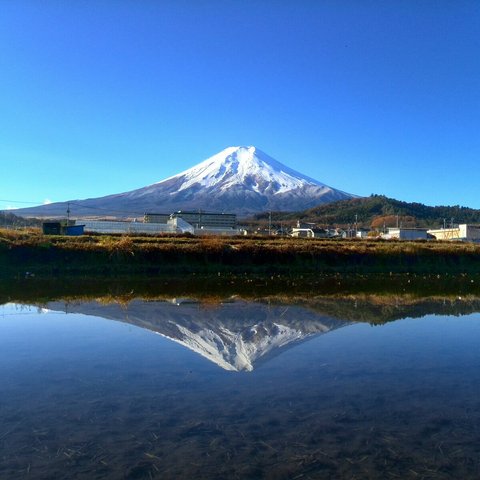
[{"x": 376, "y": 211}]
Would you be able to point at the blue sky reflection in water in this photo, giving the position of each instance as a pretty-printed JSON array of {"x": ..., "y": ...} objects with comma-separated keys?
[{"x": 86, "y": 397}]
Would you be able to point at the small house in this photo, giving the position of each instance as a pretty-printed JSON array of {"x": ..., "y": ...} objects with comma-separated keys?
[
  {"x": 62, "y": 228},
  {"x": 309, "y": 233}
]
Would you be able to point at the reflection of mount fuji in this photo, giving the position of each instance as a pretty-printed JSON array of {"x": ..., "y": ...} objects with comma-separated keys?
[{"x": 236, "y": 335}]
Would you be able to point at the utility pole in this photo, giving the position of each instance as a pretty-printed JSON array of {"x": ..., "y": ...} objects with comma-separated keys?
[
  {"x": 68, "y": 213},
  {"x": 356, "y": 225},
  {"x": 269, "y": 223}
]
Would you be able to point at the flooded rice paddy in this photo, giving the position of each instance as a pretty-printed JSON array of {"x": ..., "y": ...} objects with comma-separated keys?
[{"x": 357, "y": 387}]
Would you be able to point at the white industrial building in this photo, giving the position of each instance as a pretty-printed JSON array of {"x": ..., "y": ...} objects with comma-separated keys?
[
  {"x": 463, "y": 232},
  {"x": 174, "y": 224},
  {"x": 406, "y": 234},
  {"x": 198, "y": 219},
  {"x": 111, "y": 226}
]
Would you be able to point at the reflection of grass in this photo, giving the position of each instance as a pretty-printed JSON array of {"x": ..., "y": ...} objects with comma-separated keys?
[
  {"x": 373, "y": 299},
  {"x": 29, "y": 251}
]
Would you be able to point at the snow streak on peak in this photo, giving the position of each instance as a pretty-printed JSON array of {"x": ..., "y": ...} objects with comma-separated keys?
[
  {"x": 231, "y": 351},
  {"x": 247, "y": 166}
]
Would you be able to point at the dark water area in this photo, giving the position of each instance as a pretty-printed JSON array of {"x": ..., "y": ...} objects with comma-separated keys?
[{"x": 357, "y": 386}]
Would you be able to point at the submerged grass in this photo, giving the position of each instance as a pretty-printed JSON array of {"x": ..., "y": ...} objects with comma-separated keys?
[{"x": 124, "y": 254}]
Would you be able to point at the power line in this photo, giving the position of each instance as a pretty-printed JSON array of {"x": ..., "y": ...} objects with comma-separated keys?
[
  {"x": 106, "y": 209},
  {"x": 21, "y": 201},
  {"x": 80, "y": 205}
]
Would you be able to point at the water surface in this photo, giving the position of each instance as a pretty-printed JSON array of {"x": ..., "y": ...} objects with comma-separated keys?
[{"x": 239, "y": 389}]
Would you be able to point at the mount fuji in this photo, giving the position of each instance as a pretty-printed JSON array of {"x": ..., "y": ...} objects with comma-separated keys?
[
  {"x": 235, "y": 335},
  {"x": 242, "y": 180}
]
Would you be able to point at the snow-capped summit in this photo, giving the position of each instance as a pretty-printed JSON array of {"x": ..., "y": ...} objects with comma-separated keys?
[
  {"x": 242, "y": 180},
  {"x": 244, "y": 166}
]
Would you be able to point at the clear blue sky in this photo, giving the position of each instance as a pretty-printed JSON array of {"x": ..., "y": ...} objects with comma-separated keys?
[{"x": 100, "y": 97}]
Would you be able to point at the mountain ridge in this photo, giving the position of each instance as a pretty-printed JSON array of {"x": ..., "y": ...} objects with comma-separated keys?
[{"x": 242, "y": 180}]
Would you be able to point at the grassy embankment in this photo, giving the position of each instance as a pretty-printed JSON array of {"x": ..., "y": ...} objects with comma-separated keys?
[{"x": 22, "y": 252}]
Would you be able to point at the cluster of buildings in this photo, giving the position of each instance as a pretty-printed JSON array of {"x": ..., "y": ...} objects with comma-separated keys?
[
  {"x": 309, "y": 230},
  {"x": 461, "y": 232},
  {"x": 225, "y": 224},
  {"x": 194, "y": 223}
]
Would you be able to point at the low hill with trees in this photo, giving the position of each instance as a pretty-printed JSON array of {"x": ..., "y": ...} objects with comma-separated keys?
[{"x": 377, "y": 211}]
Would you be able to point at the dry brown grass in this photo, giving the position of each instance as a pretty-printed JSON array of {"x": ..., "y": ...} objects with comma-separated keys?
[{"x": 194, "y": 253}]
